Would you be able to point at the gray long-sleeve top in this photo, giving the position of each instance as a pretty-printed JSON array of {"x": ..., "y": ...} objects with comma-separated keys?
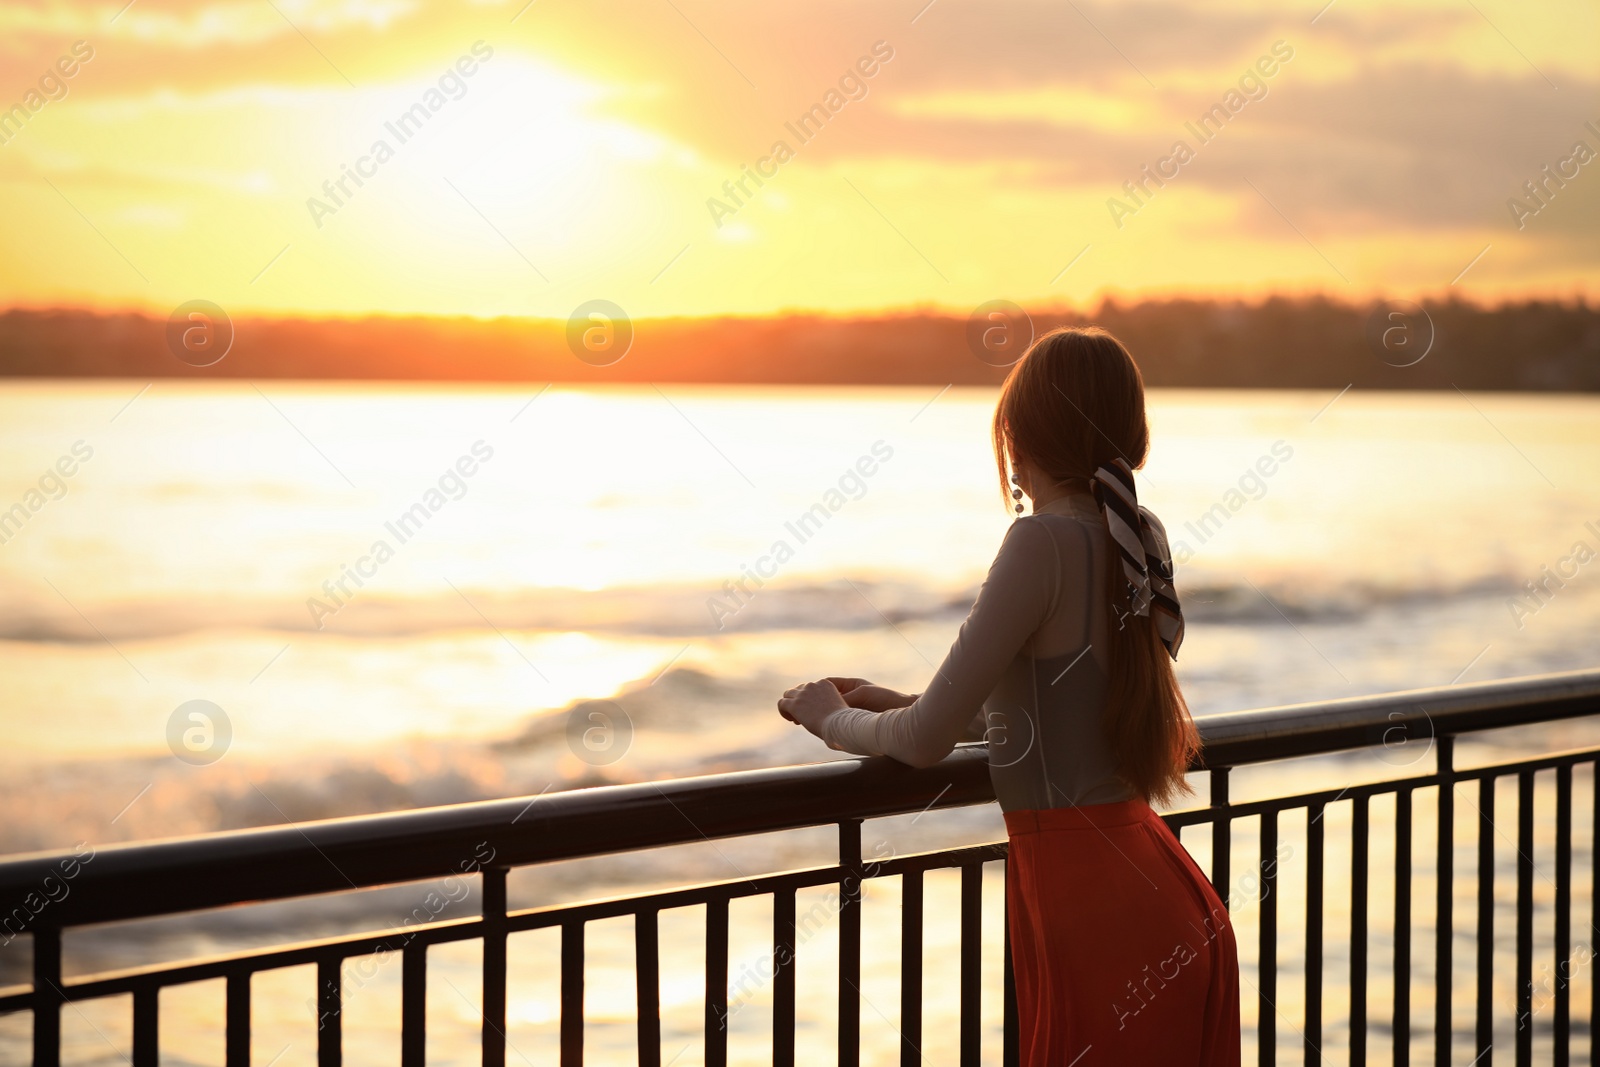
[{"x": 1026, "y": 673}]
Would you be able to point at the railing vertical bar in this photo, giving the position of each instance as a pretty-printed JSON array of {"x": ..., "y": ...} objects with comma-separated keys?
[
  {"x": 647, "y": 983},
  {"x": 47, "y": 996},
  {"x": 1594, "y": 910},
  {"x": 494, "y": 970},
  {"x": 1314, "y": 868},
  {"x": 1402, "y": 927},
  {"x": 1221, "y": 833},
  {"x": 414, "y": 1005},
  {"x": 236, "y": 1040},
  {"x": 849, "y": 942},
  {"x": 330, "y": 1006},
  {"x": 783, "y": 978},
  {"x": 1524, "y": 1043},
  {"x": 572, "y": 936},
  {"x": 1010, "y": 1041},
  {"x": 1484, "y": 1040},
  {"x": 911, "y": 969},
  {"x": 1562, "y": 1015},
  {"x": 1444, "y": 904},
  {"x": 1267, "y": 978},
  {"x": 147, "y": 1025},
  {"x": 716, "y": 1051},
  {"x": 971, "y": 962},
  {"x": 1359, "y": 845}
]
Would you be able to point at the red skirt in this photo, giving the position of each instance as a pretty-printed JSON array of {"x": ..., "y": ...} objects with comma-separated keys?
[{"x": 1124, "y": 955}]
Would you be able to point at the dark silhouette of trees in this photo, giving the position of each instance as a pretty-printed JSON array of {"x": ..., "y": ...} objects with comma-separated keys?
[{"x": 1278, "y": 342}]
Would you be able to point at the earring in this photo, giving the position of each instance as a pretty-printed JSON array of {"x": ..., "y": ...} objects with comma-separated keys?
[{"x": 1016, "y": 494}]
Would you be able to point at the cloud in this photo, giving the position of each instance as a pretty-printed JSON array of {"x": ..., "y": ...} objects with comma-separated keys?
[
  {"x": 1414, "y": 147},
  {"x": 198, "y": 24},
  {"x": 119, "y": 178}
]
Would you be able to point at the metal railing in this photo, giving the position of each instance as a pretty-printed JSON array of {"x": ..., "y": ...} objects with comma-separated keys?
[{"x": 179, "y": 876}]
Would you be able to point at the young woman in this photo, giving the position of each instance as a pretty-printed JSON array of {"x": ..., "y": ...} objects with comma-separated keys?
[{"x": 1123, "y": 952}]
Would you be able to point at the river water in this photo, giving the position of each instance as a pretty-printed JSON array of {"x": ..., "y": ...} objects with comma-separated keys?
[{"x": 405, "y": 595}]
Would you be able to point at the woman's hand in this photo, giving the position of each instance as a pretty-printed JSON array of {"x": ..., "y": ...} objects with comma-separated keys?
[
  {"x": 810, "y": 704},
  {"x": 860, "y": 693}
]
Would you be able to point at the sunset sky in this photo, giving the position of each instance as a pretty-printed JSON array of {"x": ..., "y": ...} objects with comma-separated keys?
[{"x": 579, "y": 157}]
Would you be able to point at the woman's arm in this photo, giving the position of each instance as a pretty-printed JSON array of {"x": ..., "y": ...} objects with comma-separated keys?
[
  {"x": 869, "y": 696},
  {"x": 860, "y": 693},
  {"x": 1011, "y": 605}
]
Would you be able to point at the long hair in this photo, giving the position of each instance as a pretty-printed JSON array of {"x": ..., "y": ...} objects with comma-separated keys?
[{"x": 1074, "y": 402}]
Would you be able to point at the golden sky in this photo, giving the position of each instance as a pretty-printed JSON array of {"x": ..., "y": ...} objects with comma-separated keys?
[{"x": 958, "y": 151}]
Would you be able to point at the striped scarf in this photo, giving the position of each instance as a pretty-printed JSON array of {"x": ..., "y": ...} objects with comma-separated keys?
[{"x": 1146, "y": 558}]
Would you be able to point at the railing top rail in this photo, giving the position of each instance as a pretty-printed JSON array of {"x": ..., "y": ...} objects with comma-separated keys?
[
  {"x": 1241, "y": 737},
  {"x": 211, "y": 870}
]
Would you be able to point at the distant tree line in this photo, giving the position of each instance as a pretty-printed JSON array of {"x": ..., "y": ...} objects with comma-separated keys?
[{"x": 1278, "y": 342}]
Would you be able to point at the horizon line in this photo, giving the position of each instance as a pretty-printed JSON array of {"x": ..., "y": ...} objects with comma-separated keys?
[{"x": 1444, "y": 295}]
